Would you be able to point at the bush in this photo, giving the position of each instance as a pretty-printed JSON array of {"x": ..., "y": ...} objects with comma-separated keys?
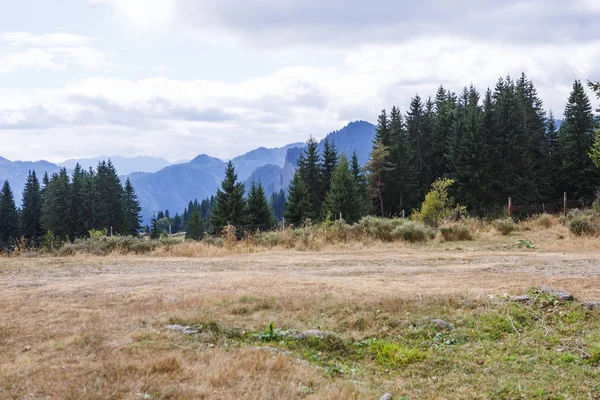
[
  {"x": 545, "y": 221},
  {"x": 413, "y": 232},
  {"x": 437, "y": 205},
  {"x": 582, "y": 225},
  {"x": 505, "y": 226},
  {"x": 456, "y": 233},
  {"x": 214, "y": 241}
]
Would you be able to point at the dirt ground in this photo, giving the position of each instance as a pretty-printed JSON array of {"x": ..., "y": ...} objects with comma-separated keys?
[{"x": 78, "y": 327}]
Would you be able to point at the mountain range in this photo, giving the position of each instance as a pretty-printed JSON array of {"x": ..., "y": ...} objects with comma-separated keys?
[{"x": 161, "y": 185}]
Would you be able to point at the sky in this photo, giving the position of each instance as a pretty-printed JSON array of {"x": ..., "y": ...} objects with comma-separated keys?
[{"x": 177, "y": 78}]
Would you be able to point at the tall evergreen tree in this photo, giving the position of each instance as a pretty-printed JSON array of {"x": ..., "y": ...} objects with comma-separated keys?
[
  {"x": 277, "y": 202},
  {"x": 382, "y": 131},
  {"x": 330, "y": 158},
  {"x": 298, "y": 207},
  {"x": 343, "y": 198},
  {"x": 578, "y": 175},
  {"x": 418, "y": 125},
  {"x": 377, "y": 166},
  {"x": 9, "y": 218},
  {"x": 310, "y": 168},
  {"x": 132, "y": 218},
  {"x": 362, "y": 185},
  {"x": 260, "y": 214},
  {"x": 31, "y": 209},
  {"x": 195, "y": 226},
  {"x": 77, "y": 200},
  {"x": 230, "y": 205},
  {"x": 108, "y": 204},
  {"x": 56, "y": 209}
]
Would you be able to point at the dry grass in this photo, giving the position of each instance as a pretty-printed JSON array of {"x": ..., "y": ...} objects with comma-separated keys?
[{"x": 90, "y": 327}]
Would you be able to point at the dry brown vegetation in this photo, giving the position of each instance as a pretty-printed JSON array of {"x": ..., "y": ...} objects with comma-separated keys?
[{"x": 89, "y": 327}]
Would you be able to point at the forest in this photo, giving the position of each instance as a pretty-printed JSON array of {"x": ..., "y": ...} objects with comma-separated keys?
[{"x": 487, "y": 146}]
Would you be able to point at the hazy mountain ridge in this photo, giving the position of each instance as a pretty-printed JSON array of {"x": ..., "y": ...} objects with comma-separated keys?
[
  {"x": 124, "y": 165},
  {"x": 173, "y": 186}
]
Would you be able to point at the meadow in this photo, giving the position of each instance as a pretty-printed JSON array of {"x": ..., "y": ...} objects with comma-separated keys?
[{"x": 320, "y": 313}]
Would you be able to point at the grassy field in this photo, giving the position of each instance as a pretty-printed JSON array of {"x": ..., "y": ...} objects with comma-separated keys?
[{"x": 87, "y": 327}]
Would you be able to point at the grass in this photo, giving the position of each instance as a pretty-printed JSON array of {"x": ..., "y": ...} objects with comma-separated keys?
[{"x": 92, "y": 326}]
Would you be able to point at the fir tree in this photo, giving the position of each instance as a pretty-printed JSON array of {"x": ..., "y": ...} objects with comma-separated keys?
[
  {"x": 31, "y": 209},
  {"x": 382, "y": 131},
  {"x": 195, "y": 226},
  {"x": 578, "y": 175},
  {"x": 277, "y": 203},
  {"x": 9, "y": 217},
  {"x": 260, "y": 215},
  {"x": 77, "y": 201},
  {"x": 132, "y": 218},
  {"x": 108, "y": 204},
  {"x": 362, "y": 186},
  {"x": 343, "y": 198},
  {"x": 56, "y": 209},
  {"x": 377, "y": 166},
  {"x": 176, "y": 223},
  {"x": 310, "y": 169},
  {"x": 298, "y": 207},
  {"x": 330, "y": 158},
  {"x": 230, "y": 205}
]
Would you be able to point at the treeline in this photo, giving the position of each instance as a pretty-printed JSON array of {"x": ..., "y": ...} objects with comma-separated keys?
[
  {"x": 499, "y": 145},
  {"x": 64, "y": 207}
]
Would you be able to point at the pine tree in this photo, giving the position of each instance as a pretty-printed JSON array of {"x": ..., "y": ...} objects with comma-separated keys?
[
  {"x": 260, "y": 215},
  {"x": 31, "y": 209},
  {"x": 230, "y": 205},
  {"x": 176, "y": 223},
  {"x": 377, "y": 166},
  {"x": 77, "y": 200},
  {"x": 310, "y": 168},
  {"x": 578, "y": 175},
  {"x": 330, "y": 159},
  {"x": 362, "y": 186},
  {"x": 108, "y": 204},
  {"x": 401, "y": 180},
  {"x": 132, "y": 218},
  {"x": 343, "y": 198},
  {"x": 9, "y": 217},
  {"x": 154, "y": 231},
  {"x": 277, "y": 203},
  {"x": 56, "y": 209},
  {"x": 595, "y": 150},
  {"x": 195, "y": 227},
  {"x": 298, "y": 207},
  {"x": 382, "y": 131}
]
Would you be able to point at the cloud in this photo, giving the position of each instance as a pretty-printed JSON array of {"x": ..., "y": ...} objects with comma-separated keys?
[
  {"x": 338, "y": 23},
  {"x": 176, "y": 118},
  {"x": 51, "y": 51},
  {"x": 159, "y": 68},
  {"x": 44, "y": 40}
]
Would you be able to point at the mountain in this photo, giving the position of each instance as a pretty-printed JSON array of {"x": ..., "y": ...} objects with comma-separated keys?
[
  {"x": 246, "y": 164},
  {"x": 356, "y": 136},
  {"x": 124, "y": 165},
  {"x": 173, "y": 187},
  {"x": 15, "y": 172}
]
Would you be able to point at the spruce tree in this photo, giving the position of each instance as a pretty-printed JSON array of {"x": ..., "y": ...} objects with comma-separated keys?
[
  {"x": 230, "y": 205},
  {"x": 362, "y": 186},
  {"x": 154, "y": 231},
  {"x": 132, "y": 218},
  {"x": 9, "y": 217},
  {"x": 310, "y": 168},
  {"x": 260, "y": 214},
  {"x": 400, "y": 182},
  {"x": 77, "y": 201},
  {"x": 108, "y": 204},
  {"x": 31, "y": 209},
  {"x": 377, "y": 166},
  {"x": 56, "y": 209},
  {"x": 298, "y": 207},
  {"x": 578, "y": 175},
  {"x": 176, "y": 223},
  {"x": 330, "y": 158},
  {"x": 382, "y": 131},
  {"x": 277, "y": 203},
  {"x": 343, "y": 198},
  {"x": 195, "y": 226}
]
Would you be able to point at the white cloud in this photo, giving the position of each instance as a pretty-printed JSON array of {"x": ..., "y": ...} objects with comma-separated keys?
[
  {"x": 175, "y": 119},
  {"x": 51, "y": 51},
  {"x": 159, "y": 68},
  {"x": 43, "y": 40}
]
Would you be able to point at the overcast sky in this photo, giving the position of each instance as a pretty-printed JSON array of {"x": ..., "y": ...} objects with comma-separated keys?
[{"x": 176, "y": 78}]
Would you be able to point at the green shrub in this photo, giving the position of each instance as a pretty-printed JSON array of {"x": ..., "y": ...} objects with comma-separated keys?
[
  {"x": 582, "y": 225},
  {"x": 545, "y": 221},
  {"x": 505, "y": 226},
  {"x": 456, "y": 233},
  {"x": 437, "y": 205},
  {"x": 268, "y": 239},
  {"x": 411, "y": 231},
  {"x": 214, "y": 241}
]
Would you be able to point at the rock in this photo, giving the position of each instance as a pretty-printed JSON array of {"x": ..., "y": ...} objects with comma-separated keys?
[
  {"x": 441, "y": 324},
  {"x": 592, "y": 305},
  {"x": 315, "y": 333},
  {"x": 186, "y": 330},
  {"x": 559, "y": 294},
  {"x": 26, "y": 349},
  {"x": 524, "y": 298},
  {"x": 386, "y": 396}
]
